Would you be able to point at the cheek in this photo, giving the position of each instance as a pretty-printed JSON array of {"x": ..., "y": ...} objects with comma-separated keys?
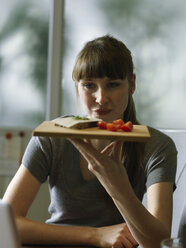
[
  {"x": 80, "y": 93},
  {"x": 85, "y": 99},
  {"x": 122, "y": 101}
]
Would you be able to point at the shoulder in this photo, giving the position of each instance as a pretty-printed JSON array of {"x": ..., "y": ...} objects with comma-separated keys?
[
  {"x": 44, "y": 146},
  {"x": 160, "y": 158},
  {"x": 160, "y": 141},
  {"x": 160, "y": 149},
  {"x": 42, "y": 141}
]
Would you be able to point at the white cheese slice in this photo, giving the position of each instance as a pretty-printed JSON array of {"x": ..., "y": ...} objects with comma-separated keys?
[{"x": 71, "y": 122}]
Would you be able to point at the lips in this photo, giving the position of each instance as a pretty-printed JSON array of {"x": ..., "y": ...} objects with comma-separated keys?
[{"x": 102, "y": 112}]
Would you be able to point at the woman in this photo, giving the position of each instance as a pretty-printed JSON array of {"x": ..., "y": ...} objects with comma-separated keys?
[{"x": 96, "y": 186}]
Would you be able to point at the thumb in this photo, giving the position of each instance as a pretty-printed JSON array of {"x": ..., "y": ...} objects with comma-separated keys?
[{"x": 114, "y": 150}]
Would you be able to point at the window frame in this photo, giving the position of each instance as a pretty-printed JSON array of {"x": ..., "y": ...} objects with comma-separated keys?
[{"x": 55, "y": 59}]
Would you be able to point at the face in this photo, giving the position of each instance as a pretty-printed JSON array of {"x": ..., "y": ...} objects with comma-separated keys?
[{"x": 104, "y": 98}]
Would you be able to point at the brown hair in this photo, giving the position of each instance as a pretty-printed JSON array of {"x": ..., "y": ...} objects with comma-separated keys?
[
  {"x": 108, "y": 57},
  {"x": 104, "y": 56}
]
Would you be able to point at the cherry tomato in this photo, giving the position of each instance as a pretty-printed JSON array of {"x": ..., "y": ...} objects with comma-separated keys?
[
  {"x": 118, "y": 123},
  {"x": 111, "y": 127},
  {"x": 102, "y": 124},
  {"x": 127, "y": 127},
  {"x": 129, "y": 124}
]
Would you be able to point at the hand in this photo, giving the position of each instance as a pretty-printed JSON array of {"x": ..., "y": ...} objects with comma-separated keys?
[
  {"x": 116, "y": 236},
  {"x": 105, "y": 165}
]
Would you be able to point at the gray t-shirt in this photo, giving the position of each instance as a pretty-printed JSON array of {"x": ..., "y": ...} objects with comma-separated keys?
[{"x": 74, "y": 201}]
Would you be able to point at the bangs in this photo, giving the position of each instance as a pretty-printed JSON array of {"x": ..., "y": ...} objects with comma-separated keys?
[{"x": 97, "y": 63}]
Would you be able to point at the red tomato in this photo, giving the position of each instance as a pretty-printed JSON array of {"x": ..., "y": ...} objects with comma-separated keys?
[
  {"x": 129, "y": 124},
  {"x": 111, "y": 127},
  {"x": 127, "y": 127},
  {"x": 118, "y": 123},
  {"x": 102, "y": 124}
]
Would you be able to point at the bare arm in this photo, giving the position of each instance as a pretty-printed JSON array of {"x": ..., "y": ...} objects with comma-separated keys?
[
  {"x": 21, "y": 193},
  {"x": 148, "y": 227}
]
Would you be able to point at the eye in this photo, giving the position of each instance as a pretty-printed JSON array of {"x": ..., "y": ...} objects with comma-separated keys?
[
  {"x": 89, "y": 85},
  {"x": 113, "y": 85}
]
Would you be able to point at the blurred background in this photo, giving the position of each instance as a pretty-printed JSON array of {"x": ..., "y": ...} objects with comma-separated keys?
[{"x": 153, "y": 30}]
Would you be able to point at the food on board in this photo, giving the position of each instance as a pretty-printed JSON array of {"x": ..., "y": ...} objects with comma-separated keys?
[
  {"x": 102, "y": 124},
  {"x": 77, "y": 117},
  {"x": 116, "y": 125},
  {"x": 76, "y": 122},
  {"x": 127, "y": 127},
  {"x": 79, "y": 122}
]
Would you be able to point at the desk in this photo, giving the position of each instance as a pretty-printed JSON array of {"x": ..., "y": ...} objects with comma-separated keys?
[
  {"x": 44, "y": 246},
  {"x": 54, "y": 246}
]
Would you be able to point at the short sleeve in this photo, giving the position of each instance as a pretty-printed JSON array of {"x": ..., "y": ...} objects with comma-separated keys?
[
  {"x": 162, "y": 163},
  {"x": 37, "y": 157}
]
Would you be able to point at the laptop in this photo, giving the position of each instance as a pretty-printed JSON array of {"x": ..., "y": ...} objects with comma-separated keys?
[
  {"x": 8, "y": 231},
  {"x": 184, "y": 235}
]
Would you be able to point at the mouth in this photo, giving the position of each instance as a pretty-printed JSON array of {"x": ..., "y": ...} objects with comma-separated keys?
[{"x": 102, "y": 112}]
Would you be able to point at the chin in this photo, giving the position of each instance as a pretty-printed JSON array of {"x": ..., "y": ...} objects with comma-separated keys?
[{"x": 107, "y": 118}]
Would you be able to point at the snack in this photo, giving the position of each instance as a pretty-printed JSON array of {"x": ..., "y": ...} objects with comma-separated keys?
[
  {"x": 116, "y": 125},
  {"x": 76, "y": 122}
]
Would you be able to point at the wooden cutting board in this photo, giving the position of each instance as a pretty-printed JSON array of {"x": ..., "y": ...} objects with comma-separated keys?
[{"x": 139, "y": 133}]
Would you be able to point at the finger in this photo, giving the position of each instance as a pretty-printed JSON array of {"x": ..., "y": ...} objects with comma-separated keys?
[
  {"x": 87, "y": 141},
  {"x": 127, "y": 235},
  {"x": 114, "y": 150},
  {"x": 118, "y": 150},
  {"x": 125, "y": 242},
  {"x": 130, "y": 237},
  {"x": 118, "y": 245},
  {"x": 82, "y": 144},
  {"x": 108, "y": 148},
  {"x": 86, "y": 149}
]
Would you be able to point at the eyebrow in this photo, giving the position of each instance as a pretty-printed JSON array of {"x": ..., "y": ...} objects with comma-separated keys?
[
  {"x": 87, "y": 79},
  {"x": 106, "y": 79}
]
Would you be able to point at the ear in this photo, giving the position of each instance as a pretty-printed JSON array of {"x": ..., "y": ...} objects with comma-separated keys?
[{"x": 133, "y": 82}]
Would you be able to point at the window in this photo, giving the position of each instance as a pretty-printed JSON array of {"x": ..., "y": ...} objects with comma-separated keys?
[
  {"x": 23, "y": 62},
  {"x": 23, "y": 78}
]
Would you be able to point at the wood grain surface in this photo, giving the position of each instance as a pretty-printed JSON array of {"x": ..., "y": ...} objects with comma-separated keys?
[{"x": 139, "y": 133}]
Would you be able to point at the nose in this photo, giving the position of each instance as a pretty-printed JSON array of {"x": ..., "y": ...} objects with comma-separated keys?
[{"x": 101, "y": 97}]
